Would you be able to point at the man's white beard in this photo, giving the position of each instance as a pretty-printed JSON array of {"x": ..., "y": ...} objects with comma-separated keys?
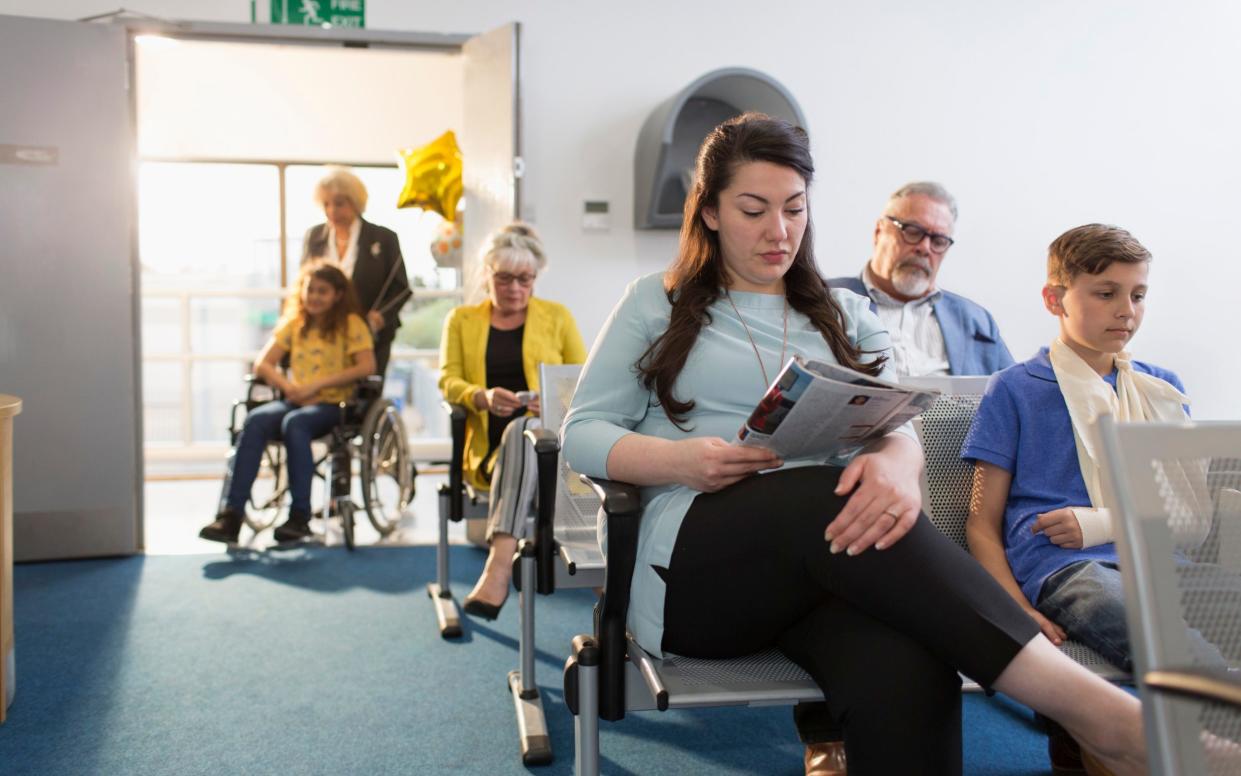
[{"x": 911, "y": 281}]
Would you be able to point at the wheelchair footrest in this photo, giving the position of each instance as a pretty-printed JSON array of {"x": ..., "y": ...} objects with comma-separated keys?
[{"x": 297, "y": 544}]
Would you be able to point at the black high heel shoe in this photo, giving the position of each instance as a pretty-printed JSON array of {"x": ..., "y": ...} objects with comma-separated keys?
[{"x": 482, "y": 608}]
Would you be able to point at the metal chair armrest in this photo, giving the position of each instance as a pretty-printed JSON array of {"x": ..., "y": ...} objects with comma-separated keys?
[
  {"x": 544, "y": 440},
  {"x": 1204, "y": 684},
  {"x": 456, "y": 478},
  {"x": 454, "y": 412},
  {"x": 546, "y": 449},
  {"x": 619, "y": 498},
  {"x": 623, "y": 507}
]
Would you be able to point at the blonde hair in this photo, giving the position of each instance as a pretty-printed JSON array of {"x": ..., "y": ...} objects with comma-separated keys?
[
  {"x": 515, "y": 247},
  {"x": 339, "y": 180}
]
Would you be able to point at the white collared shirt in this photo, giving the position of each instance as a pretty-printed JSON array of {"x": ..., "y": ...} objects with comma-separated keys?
[
  {"x": 351, "y": 253},
  {"x": 918, "y": 346}
]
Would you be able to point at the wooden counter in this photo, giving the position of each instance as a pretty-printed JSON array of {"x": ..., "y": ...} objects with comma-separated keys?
[{"x": 9, "y": 406}]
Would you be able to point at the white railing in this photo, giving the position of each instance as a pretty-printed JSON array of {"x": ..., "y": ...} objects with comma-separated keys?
[{"x": 186, "y": 449}]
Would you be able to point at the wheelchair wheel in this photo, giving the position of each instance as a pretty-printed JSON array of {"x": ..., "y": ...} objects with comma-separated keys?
[
  {"x": 267, "y": 493},
  {"x": 387, "y": 474},
  {"x": 344, "y": 508}
]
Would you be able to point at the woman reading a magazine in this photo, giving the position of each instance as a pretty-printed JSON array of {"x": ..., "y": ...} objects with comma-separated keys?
[{"x": 829, "y": 561}]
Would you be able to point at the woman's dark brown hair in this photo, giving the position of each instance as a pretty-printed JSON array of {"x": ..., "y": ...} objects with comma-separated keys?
[
  {"x": 335, "y": 319},
  {"x": 697, "y": 278}
]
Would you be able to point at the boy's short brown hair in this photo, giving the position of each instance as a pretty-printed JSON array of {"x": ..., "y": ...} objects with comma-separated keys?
[{"x": 1089, "y": 250}]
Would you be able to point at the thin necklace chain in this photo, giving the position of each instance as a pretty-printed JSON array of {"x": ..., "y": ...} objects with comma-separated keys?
[{"x": 784, "y": 340}]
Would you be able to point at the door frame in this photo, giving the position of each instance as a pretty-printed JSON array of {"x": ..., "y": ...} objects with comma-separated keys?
[{"x": 267, "y": 34}]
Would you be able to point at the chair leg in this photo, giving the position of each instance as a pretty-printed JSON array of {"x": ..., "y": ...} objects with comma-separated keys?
[
  {"x": 440, "y": 591},
  {"x": 586, "y": 723},
  {"x": 526, "y": 612},
  {"x": 536, "y": 744}
]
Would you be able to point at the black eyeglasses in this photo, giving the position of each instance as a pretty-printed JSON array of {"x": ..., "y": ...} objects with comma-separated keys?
[
  {"x": 913, "y": 234},
  {"x": 508, "y": 279}
]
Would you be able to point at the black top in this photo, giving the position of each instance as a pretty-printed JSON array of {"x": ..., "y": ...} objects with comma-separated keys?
[{"x": 504, "y": 370}]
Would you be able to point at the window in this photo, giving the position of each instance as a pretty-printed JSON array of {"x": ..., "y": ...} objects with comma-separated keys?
[{"x": 213, "y": 278}]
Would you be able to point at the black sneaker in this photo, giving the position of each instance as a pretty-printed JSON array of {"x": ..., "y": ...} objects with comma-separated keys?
[
  {"x": 226, "y": 527},
  {"x": 296, "y": 528}
]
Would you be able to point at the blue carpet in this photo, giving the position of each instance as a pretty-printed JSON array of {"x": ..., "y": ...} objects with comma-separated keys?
[{"x": 323, "y": 662}]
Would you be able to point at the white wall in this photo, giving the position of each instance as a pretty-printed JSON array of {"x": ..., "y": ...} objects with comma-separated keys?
[{"x": 1039, "y": 116}]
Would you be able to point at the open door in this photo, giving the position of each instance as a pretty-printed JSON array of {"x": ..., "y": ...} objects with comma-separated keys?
[
  {"x": 490, "y": 144},
  {"x": 67, "y": 288}
]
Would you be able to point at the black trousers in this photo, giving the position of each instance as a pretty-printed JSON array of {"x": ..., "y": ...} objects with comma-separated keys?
[
  {"x": 383, "y": 349},
  {"x": 883, "y": 633}
]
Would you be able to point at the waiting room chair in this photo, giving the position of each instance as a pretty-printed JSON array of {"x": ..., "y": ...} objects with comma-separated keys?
[
  {"x": 561, "y": 549},
  {"x": 454, "y": 498},
  {"x": 1177, "y": 495},
  {"x": 608, "y": 674}
]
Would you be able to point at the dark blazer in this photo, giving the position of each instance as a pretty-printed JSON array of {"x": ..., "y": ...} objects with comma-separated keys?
[
  {"x": 971, "y": 335},
  {"x": 379, "y": 252}
]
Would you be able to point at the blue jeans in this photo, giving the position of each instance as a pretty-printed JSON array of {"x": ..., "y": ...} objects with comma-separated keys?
[
  {"x": 298, "y": 426},
  {"x": 1087, "y": 599}
]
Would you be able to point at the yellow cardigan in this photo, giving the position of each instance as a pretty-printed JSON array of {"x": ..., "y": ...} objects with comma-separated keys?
[{"x": 550, "y": 337}]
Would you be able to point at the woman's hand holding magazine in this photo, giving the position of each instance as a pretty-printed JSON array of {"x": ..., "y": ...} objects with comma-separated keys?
[
  {"x": 819, "y": 410},
  {"x": 708, "y": 464},
  {"x": 825, "y": 411}
]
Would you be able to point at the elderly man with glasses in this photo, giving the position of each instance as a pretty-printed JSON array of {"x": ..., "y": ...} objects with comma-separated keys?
[{"x": 934, "y": 332}]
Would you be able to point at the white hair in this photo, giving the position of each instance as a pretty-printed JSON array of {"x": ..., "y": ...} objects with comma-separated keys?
[
  {"x": 339, "y": 180},
  {"x": 929, "y": 189},
  {"x": 515, "y": 248}
]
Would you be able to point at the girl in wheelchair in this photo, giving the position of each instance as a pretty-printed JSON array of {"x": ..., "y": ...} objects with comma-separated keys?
[{"x": 329, "y": 348}]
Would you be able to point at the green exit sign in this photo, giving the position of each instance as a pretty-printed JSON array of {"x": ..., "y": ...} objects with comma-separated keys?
[{"x": 315, "y": 13}]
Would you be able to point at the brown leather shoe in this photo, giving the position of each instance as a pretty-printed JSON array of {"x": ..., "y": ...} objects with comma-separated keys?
[{"x": 826, "y": 759}]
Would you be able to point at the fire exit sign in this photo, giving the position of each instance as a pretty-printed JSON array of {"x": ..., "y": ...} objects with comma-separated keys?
[{"x": 315, "y": 13}]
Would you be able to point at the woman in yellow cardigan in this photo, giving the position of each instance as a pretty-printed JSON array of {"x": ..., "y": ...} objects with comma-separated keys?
[{"x": 490, "y": 356}]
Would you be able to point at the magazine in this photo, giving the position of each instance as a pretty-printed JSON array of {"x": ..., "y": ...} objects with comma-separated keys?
[{"x": 818, "y": 410}]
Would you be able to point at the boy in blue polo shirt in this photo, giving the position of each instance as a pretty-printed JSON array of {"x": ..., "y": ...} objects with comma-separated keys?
[{"x": 1037, "y": 521}]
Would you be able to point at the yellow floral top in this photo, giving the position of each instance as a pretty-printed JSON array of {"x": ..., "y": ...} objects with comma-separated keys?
[{"x": 312, "y": 356}]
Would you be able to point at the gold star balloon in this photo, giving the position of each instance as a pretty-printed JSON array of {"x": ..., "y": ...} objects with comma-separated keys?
[{"x": 433, "y": 176}]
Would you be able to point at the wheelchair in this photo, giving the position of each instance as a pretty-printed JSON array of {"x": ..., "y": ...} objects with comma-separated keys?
[{"x": 370, "y": 431}]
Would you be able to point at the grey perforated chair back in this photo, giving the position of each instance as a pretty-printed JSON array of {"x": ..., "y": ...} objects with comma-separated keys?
[
  {"x": 947, "y": 481},
  {"x": 1176, "y": 491}
]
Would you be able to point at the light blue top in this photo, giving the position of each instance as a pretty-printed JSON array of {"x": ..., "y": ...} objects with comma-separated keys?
[
  {"x": 1023, "y": 427},
  {"x": 723, "y": 378}
]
